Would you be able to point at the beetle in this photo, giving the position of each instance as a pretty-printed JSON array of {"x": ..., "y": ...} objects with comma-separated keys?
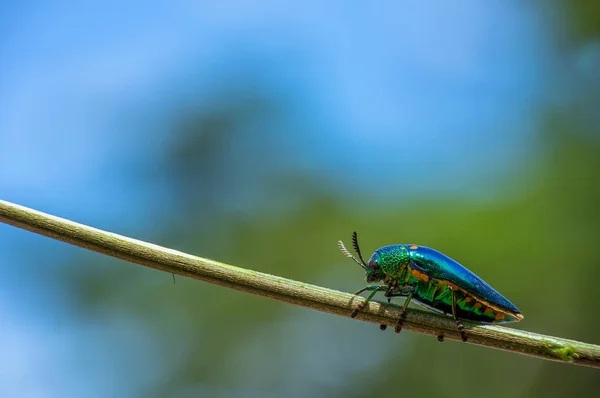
[{"x": 432, "y": 280}]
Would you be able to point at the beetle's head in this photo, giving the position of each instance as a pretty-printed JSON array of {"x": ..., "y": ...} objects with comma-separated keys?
[
  {"x": 372, "y": 269},
  {"x": 374, "y": 272}
]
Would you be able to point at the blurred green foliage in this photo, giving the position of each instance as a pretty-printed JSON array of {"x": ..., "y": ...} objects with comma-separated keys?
[{"x": 538, "y": 246}]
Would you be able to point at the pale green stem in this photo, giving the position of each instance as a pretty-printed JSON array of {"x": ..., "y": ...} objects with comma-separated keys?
[{"x": 290, "y": 291}]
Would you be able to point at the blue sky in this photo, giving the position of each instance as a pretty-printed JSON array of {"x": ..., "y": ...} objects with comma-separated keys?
[{"x": 441, "y": 81}]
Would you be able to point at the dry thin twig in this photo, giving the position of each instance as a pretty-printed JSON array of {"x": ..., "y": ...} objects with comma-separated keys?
[{"x": 293, "y": 292}]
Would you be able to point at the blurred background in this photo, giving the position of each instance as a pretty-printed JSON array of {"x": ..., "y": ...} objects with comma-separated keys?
[{"x": 258, "y": 134}]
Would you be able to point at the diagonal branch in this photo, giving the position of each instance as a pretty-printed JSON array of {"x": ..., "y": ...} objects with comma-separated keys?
[{"x": 293, "y": 292}]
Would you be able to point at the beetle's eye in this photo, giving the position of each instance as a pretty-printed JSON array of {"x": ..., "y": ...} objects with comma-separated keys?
[{"x": 373, "y": 266}]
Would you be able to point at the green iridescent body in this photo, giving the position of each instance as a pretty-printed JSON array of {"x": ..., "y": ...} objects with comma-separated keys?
[
  {"x": 433, "y": 280},
  {"x": 435, "y": 276}
]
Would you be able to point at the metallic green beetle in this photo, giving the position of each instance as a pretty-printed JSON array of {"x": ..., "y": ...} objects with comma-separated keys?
[{"x": 434, "y": 281}]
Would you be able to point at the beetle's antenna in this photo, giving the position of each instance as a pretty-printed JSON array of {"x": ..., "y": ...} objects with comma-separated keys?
[
  {"x": 349, "y": 255},
  {"x": 356, "y": 248}
]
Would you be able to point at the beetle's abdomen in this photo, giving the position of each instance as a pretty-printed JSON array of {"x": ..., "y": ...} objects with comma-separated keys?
[{"x": 437, "y": 296}]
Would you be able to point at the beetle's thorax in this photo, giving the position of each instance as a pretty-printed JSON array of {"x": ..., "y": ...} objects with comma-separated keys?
[{"x": 393, "y": 260}]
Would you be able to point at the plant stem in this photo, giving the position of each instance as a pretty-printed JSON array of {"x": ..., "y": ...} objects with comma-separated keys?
[{"x": 293, "y": 292}]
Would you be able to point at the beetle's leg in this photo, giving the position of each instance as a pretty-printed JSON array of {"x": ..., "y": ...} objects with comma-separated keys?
[
  {"x": 389, "y": 300},
  {"x": 374, "y": 289},
  {"x": 364, "y": 289},
  {"x": 440, "y": 337},
  {"x": 402, "y": 292},
  {"x": 459, "y": 325},
  {"x": 400, "y": 321}
]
